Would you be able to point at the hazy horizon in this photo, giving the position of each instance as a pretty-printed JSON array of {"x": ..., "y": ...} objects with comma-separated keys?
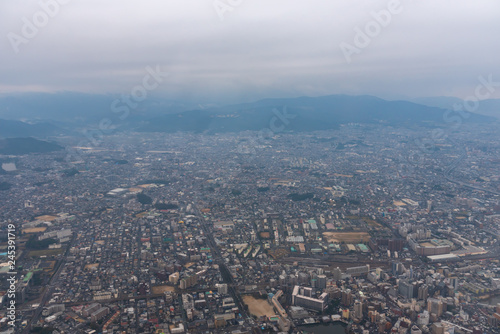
[{"x": 242, "y": 51}]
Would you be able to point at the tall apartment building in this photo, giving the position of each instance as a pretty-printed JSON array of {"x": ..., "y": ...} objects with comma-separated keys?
[{"x": 303, "y": 296}]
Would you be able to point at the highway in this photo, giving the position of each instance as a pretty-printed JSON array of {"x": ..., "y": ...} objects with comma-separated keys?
[{"x": 454, "y": 165}]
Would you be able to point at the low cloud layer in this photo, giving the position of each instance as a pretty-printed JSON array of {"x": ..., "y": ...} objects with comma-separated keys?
[{"x": 237, "y": 50}]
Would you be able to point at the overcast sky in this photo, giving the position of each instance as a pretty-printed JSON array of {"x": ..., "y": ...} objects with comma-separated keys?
[{"x": 258, "y": 49}]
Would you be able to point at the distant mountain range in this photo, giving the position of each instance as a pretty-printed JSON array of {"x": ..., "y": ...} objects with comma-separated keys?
[
  {"x": 71, "y": 107},
  {"x": 10, "y": 128},
  {"x": 67, "y": 113},
  {"x": 18, "y": 146},
  {"x": 489, "y": 107},
  {"x": 305, "y": 114}
]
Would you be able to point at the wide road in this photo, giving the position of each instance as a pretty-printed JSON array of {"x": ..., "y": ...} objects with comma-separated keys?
[
  {"x": 454, "y": 165},
  {"x": 464, "y": 184},
  {"x": 226, "y": 275}
]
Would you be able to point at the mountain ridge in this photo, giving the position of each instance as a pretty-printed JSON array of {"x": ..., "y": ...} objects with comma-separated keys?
[
  {"x": 309, "y": 114},
  {"x": 20, "y": 146}
]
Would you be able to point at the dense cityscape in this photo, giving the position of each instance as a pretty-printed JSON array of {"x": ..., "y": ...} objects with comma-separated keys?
[
  {"x": 249, "y": 167},
  {"x": 241, "y": 233}
]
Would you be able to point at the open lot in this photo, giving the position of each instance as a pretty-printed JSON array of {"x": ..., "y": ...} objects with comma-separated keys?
[
  {"x": 46, "y": 252},
  {"x": 47, "y": 218},
  {"x": 347, "y": 237},
  {"x": 162, "y": 289},
  {"x": 370, "y": 222},
  {"x": 34, "y": 230},
  {"x": 91, "y": 266},
  {"x": 258, "y": 307}
]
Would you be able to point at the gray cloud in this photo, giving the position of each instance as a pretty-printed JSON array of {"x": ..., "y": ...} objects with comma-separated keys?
[{"x": 262, "y": 48}]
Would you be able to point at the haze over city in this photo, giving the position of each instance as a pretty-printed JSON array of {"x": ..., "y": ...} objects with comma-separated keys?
[{"x": 249, "y": 167}]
